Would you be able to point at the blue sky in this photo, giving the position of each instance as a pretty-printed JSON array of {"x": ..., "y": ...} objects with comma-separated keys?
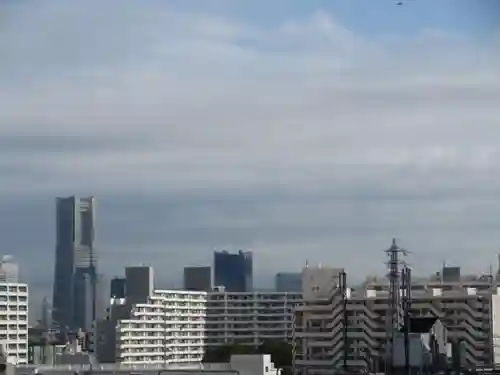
[{"x": 369, "y": 17}]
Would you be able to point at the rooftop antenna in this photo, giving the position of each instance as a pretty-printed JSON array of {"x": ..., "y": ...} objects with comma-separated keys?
[{"x": 394, "y": 314}]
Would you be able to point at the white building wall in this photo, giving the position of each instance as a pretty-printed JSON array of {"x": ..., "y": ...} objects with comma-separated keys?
[
  {"x": 170, "y": 328},
  {"x": 495, "y": 325},
  {"x": 14, "y": 321}
]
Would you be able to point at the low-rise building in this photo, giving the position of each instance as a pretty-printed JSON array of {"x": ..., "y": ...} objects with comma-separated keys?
[{"x": 252, "y": 364}]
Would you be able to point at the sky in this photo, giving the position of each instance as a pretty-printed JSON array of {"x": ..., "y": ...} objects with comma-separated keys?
[{"x": 299, "y": 130}]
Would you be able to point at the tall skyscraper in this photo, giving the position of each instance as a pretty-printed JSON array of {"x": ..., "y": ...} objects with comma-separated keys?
[
  {"x": 198, "y": 278},
  {"x": 75, "y": 277},
  {"x": 233, "y": 271}
]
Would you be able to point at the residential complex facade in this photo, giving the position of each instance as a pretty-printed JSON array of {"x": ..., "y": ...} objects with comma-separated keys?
[
  {"x": 250, "y": 318},
  {"x": 14, "y": 321},
  {"x": 465, "y": 307},
  {"x": 177, "y": 326},
  {"x": 168, "y": 328}
]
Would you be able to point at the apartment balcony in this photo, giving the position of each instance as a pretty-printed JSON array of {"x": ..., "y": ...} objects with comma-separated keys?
[
  {"x": 141, "y": 336},
  {"x": 124, "y": 329},
  {"x": 313, "y": 362}
]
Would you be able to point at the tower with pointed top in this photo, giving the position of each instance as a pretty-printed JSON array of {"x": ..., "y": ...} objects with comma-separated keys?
[{"x": 75, "y": 276}]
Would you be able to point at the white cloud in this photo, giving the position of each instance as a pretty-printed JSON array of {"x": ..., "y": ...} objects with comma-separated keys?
[{"x": 306, "y": 107}]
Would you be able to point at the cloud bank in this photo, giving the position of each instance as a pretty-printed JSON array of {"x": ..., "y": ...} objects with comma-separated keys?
[{"x": 302, "y": 139}]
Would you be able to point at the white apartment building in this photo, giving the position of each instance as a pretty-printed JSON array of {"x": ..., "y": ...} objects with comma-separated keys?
[
  {"x": 176, "y": 326},
  {"x": 169, "y": 328},
  {"x": 250, "y": 318},
  {"x": 14, "y": 321}
]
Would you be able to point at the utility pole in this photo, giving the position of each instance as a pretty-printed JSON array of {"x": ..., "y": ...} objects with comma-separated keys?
[
  {"x": 393, "y": 321},
  {"x": 345, "y": 320},
  {"x": 406, "y": 286}
]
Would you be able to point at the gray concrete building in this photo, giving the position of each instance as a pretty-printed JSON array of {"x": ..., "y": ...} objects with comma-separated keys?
[{"x": 465, "y": 307}]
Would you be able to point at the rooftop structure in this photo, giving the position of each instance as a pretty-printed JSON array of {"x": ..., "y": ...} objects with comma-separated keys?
[{"x": 254, "y": 364}]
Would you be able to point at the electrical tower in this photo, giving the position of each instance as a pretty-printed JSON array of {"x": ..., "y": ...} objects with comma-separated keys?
[{"x": 394, "y": 313}]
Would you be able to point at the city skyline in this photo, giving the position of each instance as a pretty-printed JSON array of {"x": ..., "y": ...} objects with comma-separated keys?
[{"x": 318, "y": 131}]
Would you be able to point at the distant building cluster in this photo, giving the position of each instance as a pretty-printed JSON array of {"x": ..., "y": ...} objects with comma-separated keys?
[{"x": 327, "y": 324}]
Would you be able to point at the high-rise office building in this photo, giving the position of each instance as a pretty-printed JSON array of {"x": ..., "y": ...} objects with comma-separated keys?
[
  {"x": 139, "y": 283},
  {"x": 75, "y": 277},
  {"x": 198, "y": 278},
  {"x": 288, "y": 282},
  {"x": 234, "y": 271},
  {"x": 118, "y": 287}
]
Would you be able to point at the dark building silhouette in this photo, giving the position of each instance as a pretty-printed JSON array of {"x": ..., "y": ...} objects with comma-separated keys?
[
  {"x": 139, "y": 283},
  {"x": 288, "y": 282},
  {"x": 75, "y": 276},
  {"x": 234, "y": 271},
  {"x": 118, "y": 287},
  {"x": 198, "y": 278},
  {"x": 450, "y": 274}
]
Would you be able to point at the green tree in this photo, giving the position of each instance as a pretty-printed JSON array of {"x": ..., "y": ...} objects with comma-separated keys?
[
  {"x": 218, "y": 354},
  {"x": 223, "y": 353}
]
